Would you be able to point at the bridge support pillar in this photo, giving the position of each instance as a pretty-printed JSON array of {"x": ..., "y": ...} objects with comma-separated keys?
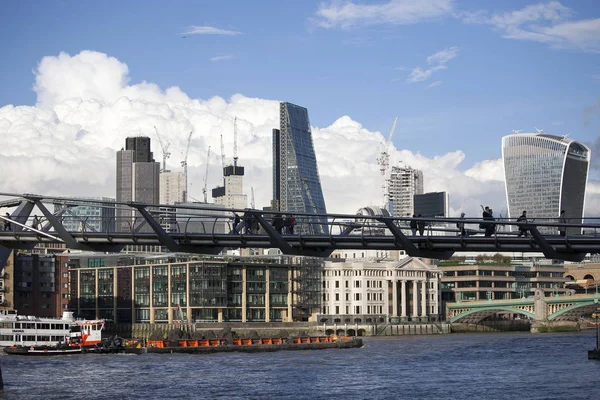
[{"x": 541, "y": 309}]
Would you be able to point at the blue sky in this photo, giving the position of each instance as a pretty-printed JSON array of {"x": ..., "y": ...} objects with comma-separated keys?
[{"x": 460, "y": 74}]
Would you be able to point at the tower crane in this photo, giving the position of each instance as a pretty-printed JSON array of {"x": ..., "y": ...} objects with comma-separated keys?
[
  {"x": 384, "y": 161},
  {"x": 235, "y": 157},
  {"x": 222, "y": 153},
  {"x": 184, "y": 165},
  {"x": 165, "y": 149},
  {"x": 252, "y": 198},
  {"x": 206, "y": 175}
]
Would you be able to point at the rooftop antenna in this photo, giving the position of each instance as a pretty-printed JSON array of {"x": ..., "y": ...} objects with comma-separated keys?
[
  {"x": 540, "y": 131},
  {"x": 204, "y": 191}
]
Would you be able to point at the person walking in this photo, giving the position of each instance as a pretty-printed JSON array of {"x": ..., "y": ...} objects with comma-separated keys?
[
  {"x": 36, "y": 222},
  {"x": 278, "y": 223},
  {"x": 562, "y": 219},
  {"x": 487, "y": 217},
  {"x": 290, "y": 223},
  {"x": 421, "y": 225},
  {"x": 247, "y": 223},
  {"x": 413, "y": 225},
  {"x": 7, "y": 224},
  {"x": 236, "y": 222},
  {"x": 461, "y": 226},
  {"x": 522, "y": 219}
]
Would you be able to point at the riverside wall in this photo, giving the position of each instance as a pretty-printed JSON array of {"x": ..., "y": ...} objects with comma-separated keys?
[{"x": 210, "y": 330}]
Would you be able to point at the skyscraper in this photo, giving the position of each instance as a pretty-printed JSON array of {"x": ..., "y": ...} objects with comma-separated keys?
[
  {"x": 403, "y": 185},
  {"x": 545, "y": 174},
  {"x": 137, "y": 179},
  {"x": 296, "y": 182}
]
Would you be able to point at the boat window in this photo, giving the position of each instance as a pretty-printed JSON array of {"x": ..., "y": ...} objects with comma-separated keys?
[
  {"x": 44, "y": 326},
  {"x": 29, "y": 338},
  {"x": 17, "y": 325},
  {"x": 75, "y": 328},
  {"x": 44, "y": 338},
  {"x": 8, "y": 325}
]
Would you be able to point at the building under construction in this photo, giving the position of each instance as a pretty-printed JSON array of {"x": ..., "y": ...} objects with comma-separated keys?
[{"x": 403, "y": 184}]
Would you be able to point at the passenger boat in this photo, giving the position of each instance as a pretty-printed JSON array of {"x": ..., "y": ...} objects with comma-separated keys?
[
  {"x": 82, "y": 336},
  {"x": 29, "y": 330}
]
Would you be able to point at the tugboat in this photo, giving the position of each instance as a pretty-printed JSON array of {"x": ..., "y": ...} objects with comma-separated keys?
[{"x": 83, "y": 336}]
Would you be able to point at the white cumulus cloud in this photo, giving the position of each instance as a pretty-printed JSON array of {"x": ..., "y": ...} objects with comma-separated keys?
[{"x": 86, "y": 106}]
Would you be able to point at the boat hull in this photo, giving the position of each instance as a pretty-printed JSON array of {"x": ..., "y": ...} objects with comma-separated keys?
[{"x": 41, "y": 350}]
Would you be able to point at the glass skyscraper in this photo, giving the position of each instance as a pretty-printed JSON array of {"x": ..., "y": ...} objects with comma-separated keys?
[
  {"x": 545, "y": 174},
  {"x": 296, "y": 182}
]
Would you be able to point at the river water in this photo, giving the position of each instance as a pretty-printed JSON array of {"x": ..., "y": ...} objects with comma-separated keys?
[{"x": 457, "y": 366}]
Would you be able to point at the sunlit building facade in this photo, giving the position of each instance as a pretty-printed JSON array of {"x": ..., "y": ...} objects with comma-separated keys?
[
  {"x": 164, "y": 288},
  {"x": 296, "y": 182},
  {"x": 545, "y": 174}
]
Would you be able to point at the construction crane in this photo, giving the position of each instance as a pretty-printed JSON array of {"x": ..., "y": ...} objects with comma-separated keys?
[
  {"x": 222, "y": 154},
  {"x": 384, "y": 162},
  {"x": 206, "y": 175},
  {"x": 235, "y": 157},
  {"x": 252, "y": 198},
  {"x": 165, "y": 149},
  {"x": 184, "y": 165}
]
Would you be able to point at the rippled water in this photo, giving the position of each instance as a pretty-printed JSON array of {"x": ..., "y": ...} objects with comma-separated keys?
[{"x": 469, "y": 366}]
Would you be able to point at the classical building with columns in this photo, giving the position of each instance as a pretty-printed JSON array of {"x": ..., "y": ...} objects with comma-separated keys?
[{"x": 369, "y": 290}]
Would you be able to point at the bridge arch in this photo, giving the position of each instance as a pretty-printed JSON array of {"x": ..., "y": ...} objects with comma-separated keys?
[
  {"x": 589, "y": 276},
  {"x": 493, "y": 308},
  {"x": 590, "y": 305},
  {"x": 570, "y": 278}
]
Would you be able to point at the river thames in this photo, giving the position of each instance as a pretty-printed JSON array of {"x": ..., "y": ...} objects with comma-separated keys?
[{"x": 456, "y": 366}]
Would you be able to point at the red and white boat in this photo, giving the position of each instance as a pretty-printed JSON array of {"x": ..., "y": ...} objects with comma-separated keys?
[{"x": 83, "y": 335}]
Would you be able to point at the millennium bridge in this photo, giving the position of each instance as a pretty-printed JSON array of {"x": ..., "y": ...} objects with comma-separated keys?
[{"x": 207, "y": 229}]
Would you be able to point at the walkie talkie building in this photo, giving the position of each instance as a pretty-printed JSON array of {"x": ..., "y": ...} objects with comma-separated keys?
[
  {"x": 296, "y": 182},
  {"x": 545, "y": 174}
]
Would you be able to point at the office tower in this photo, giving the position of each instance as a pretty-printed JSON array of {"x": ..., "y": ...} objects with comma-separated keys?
[
  {"x": 403, "y": 185},
  {"x": 433, "y": 204},
  {"x": 296, "y": 182},
  {"x": 137, "y": 180},
  {"x": 88, "y": 217},
  {"x": 545, "y": 174}
]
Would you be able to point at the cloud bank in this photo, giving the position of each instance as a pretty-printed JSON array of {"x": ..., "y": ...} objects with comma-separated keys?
[{"x": 86, "y": 107}]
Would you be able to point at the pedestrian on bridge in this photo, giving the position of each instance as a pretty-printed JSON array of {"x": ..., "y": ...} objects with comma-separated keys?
[
  {"x": 562, "y": 219},
  {"x": 522, "y": 219},
  {"x": 247, "y": 223},
  {"x": 421, "y": 225},
  {"x": 413, "y": 225},
  {"x": 461, "y": 226},
  {"x": 36, "y": 222},
  {"x": 7, "y": 224}
]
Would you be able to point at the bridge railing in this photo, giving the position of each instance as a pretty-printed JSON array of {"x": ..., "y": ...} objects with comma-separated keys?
[{"x": 210, "y": 219}]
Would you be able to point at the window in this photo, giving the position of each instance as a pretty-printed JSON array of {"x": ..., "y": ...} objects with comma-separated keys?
[
  {"x": 337, "y": 284},
  {"x": 337, "y": 297}
]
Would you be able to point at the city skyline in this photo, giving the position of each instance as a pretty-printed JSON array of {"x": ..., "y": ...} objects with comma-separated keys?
[{"x": 356, "y": 66}]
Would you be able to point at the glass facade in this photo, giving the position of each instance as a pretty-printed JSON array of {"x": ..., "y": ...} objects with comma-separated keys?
[
  {"x": 244, "y": 289},
  {"x": 297, "y": 186},
  {"x": 90, "y": 217},
  {"x": 545, "y": 174}
]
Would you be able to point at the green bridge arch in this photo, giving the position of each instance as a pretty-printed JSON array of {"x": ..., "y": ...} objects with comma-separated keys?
[
  {"x": 493, "y": 308},
  {"x": 573, "y": 307}
]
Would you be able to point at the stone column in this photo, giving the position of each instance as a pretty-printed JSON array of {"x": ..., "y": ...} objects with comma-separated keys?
[
  {"x": 244, "y": 295},
  {"x": 403, "y": 296},
  {"x": 415, "y": 310},
  {"x": 267, "y": 295},
  {"x": 424, "y": 298},
  {"x": 395, "y": 298}
]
